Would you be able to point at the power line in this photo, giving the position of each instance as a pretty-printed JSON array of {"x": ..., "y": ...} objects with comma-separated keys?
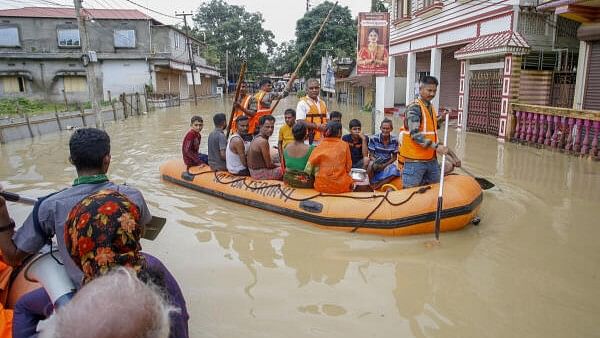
[{"x": 152, "y": 10}]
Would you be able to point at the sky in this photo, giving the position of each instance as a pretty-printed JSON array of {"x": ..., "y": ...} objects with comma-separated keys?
[{"x": 280, "y": 15}]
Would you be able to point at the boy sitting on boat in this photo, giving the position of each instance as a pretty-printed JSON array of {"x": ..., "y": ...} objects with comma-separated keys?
[{"x": 190, "y": 147}]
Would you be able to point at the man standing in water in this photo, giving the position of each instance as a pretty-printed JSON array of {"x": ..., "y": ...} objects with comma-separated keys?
[
  {"x": 261, "y": 103},
  {"x": 259, "y": 153},
  {"x": 312, "y": 111},
  {"x": 420, "y": 143}
]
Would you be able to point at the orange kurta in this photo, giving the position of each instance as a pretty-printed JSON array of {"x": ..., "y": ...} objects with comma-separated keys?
[{"x": 332, "y": 162}]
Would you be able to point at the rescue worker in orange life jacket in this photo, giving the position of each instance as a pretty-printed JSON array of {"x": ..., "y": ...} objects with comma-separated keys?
[
  {"x": 312, "y": 111},
  {"x": 260, "y": 103},
  {"x": 241, "y": 106},
  {"x": 420, "y": 144}
]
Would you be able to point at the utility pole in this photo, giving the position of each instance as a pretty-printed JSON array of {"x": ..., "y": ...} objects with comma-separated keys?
[
  {"x": 307, "y": 5},
  {"x": 89, "y": 60},
  {"x": 226, "y": 72},
  {"x": 189, "y": 47}
]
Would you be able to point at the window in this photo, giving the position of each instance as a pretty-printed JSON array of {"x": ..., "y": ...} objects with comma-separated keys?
[
  {"x": 177, "y": 42},
  {"x": 68, "y": 37},
  {"x": 403, "y": 9},
  {"x": 9, "y": 36},
  {"x": 124, "y": 38},
  {"x": 13, "y": 84},
  {"x": 74, "y": 84}
]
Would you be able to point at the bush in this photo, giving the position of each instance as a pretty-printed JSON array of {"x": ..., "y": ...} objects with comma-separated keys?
[
  {"x": 300, "y": 93},
  {"x": 9, "y": 106}
]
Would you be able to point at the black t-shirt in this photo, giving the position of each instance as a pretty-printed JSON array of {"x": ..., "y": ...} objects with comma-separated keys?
[{"x": 355, "y": 147}]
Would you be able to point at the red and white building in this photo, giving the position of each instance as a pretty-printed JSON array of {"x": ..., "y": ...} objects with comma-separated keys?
[{"x": 480, "y": 51}]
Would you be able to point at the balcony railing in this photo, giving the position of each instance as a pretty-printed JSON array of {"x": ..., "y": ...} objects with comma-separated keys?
[{"x": 573, "y": 131}]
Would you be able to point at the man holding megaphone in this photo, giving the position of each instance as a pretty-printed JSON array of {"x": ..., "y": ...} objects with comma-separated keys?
[{"x": 90, "y": 154}]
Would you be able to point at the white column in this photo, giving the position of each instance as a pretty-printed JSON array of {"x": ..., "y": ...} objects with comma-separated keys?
[
  {"x": 467, "y": 79},
  {"x": 581, "y": 75},
  {"x": 435, "y": 68},
  {"x": 411, "y": 74},
  {"x": 384, "y": 92}
]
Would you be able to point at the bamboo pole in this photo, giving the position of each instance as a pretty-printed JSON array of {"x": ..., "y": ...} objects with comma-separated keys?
[
  {"x": 137, "y": 103},
  {"x": 82, "y": 114},
  {"x": 238, "y": 88},
  {"x": 112, "y": 104},
  {"x": 58, "y": 121},
  {"x": 305, "y": 56}
]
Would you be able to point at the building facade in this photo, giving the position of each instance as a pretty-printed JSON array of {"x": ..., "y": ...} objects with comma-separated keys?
[
  {"x": 41, "y": 58},
  {"x": 485, "y": 55}
]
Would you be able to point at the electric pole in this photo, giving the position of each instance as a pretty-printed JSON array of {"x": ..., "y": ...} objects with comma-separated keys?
[
  {"x": 189, "y": 46},
  {"x": 307, "y": 5},
  {"x": 89, "y": 60},
  {"x": 226, "y": 72}
]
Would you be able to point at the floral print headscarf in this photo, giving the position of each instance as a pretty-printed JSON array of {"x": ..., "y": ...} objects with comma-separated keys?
[{"x": 103, "y": 231}]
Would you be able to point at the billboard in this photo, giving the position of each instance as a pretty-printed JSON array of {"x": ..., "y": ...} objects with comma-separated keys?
[
  {"x": 373, "y": 43},
  {"x": 327, "y": 75}
]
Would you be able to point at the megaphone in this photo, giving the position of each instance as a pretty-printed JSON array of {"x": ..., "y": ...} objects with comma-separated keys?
[{"x": 50, "y": 272}]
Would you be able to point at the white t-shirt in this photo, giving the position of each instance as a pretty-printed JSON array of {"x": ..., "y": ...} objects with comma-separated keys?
[{"x": 303, "y": 108}]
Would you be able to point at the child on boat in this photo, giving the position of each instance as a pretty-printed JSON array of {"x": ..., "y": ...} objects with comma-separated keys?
[
  {"x": 358, "y": 143},
  {"x": 190, "y": 147}
]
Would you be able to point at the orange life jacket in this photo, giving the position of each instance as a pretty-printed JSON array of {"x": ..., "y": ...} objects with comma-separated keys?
[
  {"x": 238, "y": 112},
  {"x": 410, "y": 149},
  {"x": 317, "y": 114},
  {"x": 260, "y": 111}
]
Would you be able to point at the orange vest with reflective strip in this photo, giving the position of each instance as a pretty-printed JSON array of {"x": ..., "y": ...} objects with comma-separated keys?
[
  {"x": 316, "y": 114},
  {"x": 410, "y": 149},
  {"x": 238, "y": 113},
  {"x": 260, "y": 111}
]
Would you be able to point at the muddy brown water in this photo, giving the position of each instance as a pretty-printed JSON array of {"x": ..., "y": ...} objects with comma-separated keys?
[{"x": 530, "y": 269}]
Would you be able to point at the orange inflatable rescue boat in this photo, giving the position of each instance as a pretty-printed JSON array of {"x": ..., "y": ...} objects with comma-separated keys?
[{"x": 395, "y": 213}]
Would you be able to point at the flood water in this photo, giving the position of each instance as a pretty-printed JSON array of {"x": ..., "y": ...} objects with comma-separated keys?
[{"x": 530, "y": 269}]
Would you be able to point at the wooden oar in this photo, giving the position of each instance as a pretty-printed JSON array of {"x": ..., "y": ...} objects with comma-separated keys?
[
  {"x": 483, "y": 183},
  {"x": 440, "y": 201},
  {"x": 238, "y": 88},
  {"x": 288, "y": 86},
  {"x": 151, "y": 230}
]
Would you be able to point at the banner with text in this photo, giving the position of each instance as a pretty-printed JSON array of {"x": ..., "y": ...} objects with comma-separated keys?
[
  {"x": 327, "y": 75},
  {"x": 373, "y": 43}
]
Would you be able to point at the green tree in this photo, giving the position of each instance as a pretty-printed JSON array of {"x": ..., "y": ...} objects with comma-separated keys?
[
  {"x": 285, "y": 58},
  {"x": 338, "y": 37},
  {"x": 378, "y": 6},
  {"x": 231, "y": 28}
]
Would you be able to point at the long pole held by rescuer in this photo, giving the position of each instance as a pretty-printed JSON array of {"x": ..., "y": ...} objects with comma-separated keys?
[
  {"x": 440, "y": 201},
  {"x": 238, "y": 88},
  {"x": 288, "y": 86}
]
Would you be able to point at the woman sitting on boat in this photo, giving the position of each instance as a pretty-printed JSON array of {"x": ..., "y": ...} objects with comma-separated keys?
[
  {"x": 330, "y": 162},
  {"x": 296, "y": 156}
]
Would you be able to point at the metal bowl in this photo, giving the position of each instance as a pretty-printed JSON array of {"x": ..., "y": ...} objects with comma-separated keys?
[{"x": 358, "y": 174}]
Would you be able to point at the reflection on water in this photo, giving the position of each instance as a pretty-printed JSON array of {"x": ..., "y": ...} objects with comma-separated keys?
[{"x": 529, "y": 269}]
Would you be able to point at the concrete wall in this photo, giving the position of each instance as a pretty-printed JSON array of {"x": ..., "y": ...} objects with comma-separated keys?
[
  {"x": 46, "y": 83},
  {"x": 124, "y": 76}
]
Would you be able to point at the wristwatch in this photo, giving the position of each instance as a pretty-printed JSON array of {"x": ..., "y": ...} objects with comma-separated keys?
[{"x": 7, "y": 227}]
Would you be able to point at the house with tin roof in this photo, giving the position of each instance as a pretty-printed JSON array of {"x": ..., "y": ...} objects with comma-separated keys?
[{"x": 41, "y": 58}]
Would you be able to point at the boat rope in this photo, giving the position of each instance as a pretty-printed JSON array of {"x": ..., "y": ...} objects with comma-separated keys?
[{"x": 384, "y": 198}]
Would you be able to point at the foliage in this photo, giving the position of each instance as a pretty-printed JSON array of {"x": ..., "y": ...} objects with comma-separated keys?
[
  {"x": 338, "y": 37},
  {"x": 378, "y": 6},
  {"x": 231, "y": 28},
  {"x": 22, "y": 105},
  {"x": 301, "y": 93},
  {"x": 285, "y": 58}
]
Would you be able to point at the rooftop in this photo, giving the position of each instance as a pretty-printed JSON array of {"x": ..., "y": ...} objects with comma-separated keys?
[{"x": 69, "y": 13}]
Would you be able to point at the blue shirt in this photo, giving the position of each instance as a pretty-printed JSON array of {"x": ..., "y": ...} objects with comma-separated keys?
[
  {"x": 381, "y": 152},
  {"x": 52, "y": 215}
]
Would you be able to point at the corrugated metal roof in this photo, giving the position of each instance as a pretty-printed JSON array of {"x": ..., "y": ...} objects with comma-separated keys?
[
  {"x": 54, "y": 12},
  {"x": 503, "y": 42}
]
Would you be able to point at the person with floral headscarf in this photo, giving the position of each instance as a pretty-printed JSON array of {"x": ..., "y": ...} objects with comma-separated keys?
[
  {"x": 331, "y": 161},
  {"x": 103, "y": 232}
]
